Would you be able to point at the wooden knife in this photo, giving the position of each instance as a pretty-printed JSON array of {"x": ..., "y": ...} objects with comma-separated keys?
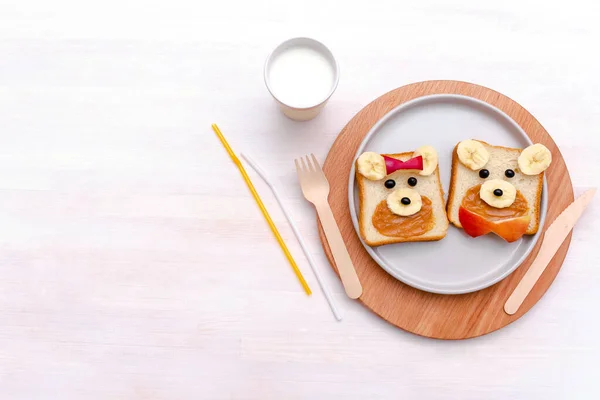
[{"x": 553, "y": 238}]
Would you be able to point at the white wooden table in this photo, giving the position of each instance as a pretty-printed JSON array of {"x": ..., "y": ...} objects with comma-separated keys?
[{"x": 133, "y": 261}]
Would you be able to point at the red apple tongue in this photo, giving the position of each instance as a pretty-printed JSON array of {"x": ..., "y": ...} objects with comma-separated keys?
[{"x": 392, "y": 164}]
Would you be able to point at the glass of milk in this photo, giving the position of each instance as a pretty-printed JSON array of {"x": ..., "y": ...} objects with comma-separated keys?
[{"x": 301, "y": 74}]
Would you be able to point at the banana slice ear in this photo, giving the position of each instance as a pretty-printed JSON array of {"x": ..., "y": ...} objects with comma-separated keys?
[
  {"x": 534, "y": 159},
  {"x": 372, "y": 166},
  {"x": 430, "y": 159},
  {"x": 472, "y": 154}
]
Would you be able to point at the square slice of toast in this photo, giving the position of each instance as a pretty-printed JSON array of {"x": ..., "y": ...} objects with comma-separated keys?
[
  {"x": 372, "y": 193},
  {"x": 500, "y": 159}
]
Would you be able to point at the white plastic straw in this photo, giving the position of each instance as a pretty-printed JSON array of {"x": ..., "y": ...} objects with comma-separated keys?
[{"x": 324, "y": 288}]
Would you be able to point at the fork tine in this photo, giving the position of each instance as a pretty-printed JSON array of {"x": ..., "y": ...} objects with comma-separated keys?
[
  {"x": 306, "y": 164},
  {"x": 316, "y": 163},
  {"x": 318, "y": 167},
  {"x": 313, "y": 167}
]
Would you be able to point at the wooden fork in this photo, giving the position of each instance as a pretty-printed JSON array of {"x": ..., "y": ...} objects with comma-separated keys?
[{"x": 316, "y": 190}]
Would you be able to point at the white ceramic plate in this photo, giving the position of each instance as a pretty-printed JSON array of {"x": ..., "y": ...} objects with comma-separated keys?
[{"x": 456, "y": 264}]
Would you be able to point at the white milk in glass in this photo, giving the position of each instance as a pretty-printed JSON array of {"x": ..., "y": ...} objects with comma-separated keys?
[{"x": 301, "y": 76}]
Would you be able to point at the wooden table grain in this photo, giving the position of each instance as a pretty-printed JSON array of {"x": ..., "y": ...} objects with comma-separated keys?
[{"x": 133, "y": 261}]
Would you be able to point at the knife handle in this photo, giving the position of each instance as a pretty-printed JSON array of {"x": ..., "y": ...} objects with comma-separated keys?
[
  {"x": 553, "y": 238},
  {"x": 340, "y": 254},
  {"x": 529, "y": 279}
]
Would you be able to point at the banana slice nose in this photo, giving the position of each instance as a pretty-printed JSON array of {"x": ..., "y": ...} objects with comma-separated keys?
[
  {"x": 498, "y": 193},
  {"x": 404, "y": 202}
]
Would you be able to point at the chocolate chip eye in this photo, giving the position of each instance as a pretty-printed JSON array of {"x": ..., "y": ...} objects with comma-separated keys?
[
  {"x": 484, "y": 173},
  {"x": 412, "y": 181},
  {"x": 390, "y": 183},
  {"x": 509, "y": 173}
]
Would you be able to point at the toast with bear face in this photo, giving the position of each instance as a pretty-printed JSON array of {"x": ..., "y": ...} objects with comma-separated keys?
[
  {"x": 497, "y": 189},
  {"x": 401, "y": 197}
]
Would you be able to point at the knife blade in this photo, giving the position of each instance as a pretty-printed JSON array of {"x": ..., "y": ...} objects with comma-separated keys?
[{"x": 553, "y": 238}]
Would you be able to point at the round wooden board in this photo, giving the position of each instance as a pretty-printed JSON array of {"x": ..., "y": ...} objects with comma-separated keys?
[{"x": 427, "y": 314}]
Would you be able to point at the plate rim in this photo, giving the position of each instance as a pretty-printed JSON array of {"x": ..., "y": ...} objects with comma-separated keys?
[{"x": 352, "y": 206}]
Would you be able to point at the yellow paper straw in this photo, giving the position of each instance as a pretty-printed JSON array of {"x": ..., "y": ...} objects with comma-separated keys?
[{"x": 263, "y": 209}]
